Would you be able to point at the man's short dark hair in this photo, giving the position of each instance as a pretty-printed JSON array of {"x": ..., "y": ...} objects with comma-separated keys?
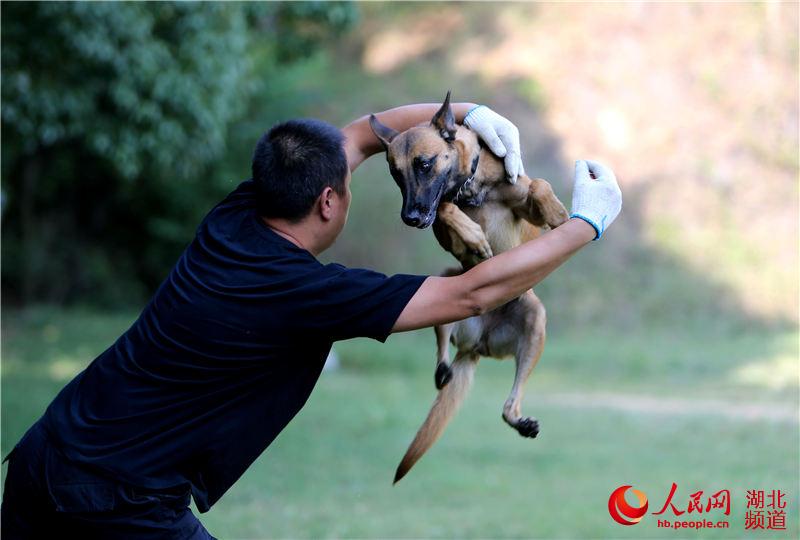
[{"x": 293, "y": 162}]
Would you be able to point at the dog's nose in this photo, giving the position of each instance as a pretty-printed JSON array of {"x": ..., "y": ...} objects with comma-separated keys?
[
  {"x": 412, "y": 217},
  {"x": 412, "y": 220}
]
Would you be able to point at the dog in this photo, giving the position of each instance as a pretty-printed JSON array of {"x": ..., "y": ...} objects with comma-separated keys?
[{"x": 448, "y": 179}]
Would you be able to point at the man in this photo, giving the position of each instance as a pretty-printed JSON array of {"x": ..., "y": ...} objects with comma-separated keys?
[{"x": 232, "y": 343}]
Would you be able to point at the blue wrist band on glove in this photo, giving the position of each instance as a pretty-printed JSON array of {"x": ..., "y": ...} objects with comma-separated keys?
[
  {"x": 470, "y": 111},
  {"x": 599, "y": 230}
]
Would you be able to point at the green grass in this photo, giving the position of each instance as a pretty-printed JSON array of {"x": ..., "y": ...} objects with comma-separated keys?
[{"x": 329, "y": 473}]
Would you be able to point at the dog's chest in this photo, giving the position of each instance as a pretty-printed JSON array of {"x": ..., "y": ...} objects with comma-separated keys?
[{"x": 501, "y": 227}]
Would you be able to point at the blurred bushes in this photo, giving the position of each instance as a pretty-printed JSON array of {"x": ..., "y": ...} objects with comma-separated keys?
[
  {"x": 115, "y": 118},
  {"x": 101, "y": 196}
]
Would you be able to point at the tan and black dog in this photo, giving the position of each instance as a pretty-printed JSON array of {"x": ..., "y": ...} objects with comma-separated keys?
[{"x": 449, "y": 180}]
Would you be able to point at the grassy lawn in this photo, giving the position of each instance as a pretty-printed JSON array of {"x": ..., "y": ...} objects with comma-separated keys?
[{"x": 329, "y": 474}]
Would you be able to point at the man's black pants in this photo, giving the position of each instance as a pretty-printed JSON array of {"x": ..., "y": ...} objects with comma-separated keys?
[{"x": 45, "y": 496}]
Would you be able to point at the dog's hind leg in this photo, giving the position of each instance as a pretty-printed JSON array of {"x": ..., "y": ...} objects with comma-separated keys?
[
  {"x": 529, "y": 350},
  {"x": 443, "y": 372}
]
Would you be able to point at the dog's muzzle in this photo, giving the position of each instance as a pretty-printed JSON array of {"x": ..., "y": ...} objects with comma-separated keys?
[{"x": 418, "y": 219}]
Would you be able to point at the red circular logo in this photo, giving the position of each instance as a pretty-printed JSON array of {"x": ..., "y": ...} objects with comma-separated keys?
[{"x": 621, "y": 511}]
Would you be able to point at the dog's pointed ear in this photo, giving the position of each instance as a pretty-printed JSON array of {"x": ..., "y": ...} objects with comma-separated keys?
[
  {"x": 384, "y": 133},
  {"x": 444, "y": 121}
]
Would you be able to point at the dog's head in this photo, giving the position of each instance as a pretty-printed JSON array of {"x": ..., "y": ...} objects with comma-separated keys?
[{"x": 428, "y": 162}]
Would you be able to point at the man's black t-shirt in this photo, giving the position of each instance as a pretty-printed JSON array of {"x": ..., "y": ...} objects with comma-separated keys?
[{"x": 221, "y": 359}]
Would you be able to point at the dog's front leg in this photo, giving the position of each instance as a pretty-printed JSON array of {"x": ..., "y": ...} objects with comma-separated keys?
[
  {"x": 533, "y": 200},
  {"x": 464, "y": 229},
  {"x": 541, "y": 197}
]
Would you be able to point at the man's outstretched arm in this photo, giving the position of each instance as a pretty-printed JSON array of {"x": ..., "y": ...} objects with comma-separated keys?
[
  {"x": 596, "y": 202},
  {"x": 499, "y": 134},
  {"x": 362, "y": 143}
]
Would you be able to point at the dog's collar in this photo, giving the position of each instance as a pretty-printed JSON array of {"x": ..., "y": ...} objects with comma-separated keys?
[
  {"x": 466, "y": 183},
  {"x": 469, "y": 180}
]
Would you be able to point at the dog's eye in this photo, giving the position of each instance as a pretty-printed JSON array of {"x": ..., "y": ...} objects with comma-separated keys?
[{"x": 423, "y": 166}]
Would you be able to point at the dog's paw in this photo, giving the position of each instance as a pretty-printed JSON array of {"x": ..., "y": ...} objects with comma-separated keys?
[
  {"x": 443, "y": 375},
  {"x": 545, "y": 206},
  {"x": 475, "y": 240},
  {"x": 479, "y": 247},
  {"x": 528, "y": 427},
  {"x": 556, "y": 214},
  {"x": 483, "y": 251}
]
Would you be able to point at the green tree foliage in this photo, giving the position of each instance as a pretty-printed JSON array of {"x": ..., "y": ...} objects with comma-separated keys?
[{"x": 112, "y": 114}]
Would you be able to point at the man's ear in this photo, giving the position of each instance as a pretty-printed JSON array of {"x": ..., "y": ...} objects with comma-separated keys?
[
  {"x": 326, "y": 203},
  {"x": 384, "y": 133},
  {"x": 444, "y": 121}
]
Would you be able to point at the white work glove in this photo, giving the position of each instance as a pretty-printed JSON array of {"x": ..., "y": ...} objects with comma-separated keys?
[
  {"x": 500, "y": 135},
  {"x": 596, "y": 197}
]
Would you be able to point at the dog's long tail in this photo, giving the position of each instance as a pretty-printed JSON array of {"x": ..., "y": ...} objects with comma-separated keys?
[{"x": 444, "y": 408}]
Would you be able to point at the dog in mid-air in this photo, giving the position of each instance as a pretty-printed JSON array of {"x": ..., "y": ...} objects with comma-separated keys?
[{"x": 449, "y": 180}]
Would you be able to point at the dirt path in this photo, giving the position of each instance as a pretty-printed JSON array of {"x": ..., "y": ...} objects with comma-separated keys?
[{"x": 640, "y": 404}]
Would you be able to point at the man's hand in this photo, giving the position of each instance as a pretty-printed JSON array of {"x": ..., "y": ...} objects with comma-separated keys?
[
  {"x": 500, "y": 135},
  {"x": 596, "y": 197}
]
